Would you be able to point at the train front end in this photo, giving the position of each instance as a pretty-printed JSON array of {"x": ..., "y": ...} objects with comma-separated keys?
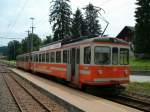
[{"x": 109, "y": 63}]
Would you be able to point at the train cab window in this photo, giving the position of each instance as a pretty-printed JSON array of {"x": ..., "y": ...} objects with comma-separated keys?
[
  {"x": 52, "y": 57},
  {"x": 124, "y": 56},
  {"x": 65, "y": 56},
  {"x": 47, "y": 57},
  {"x": 102, "y": 55},
  {"x": 115, "y": 56},
  {"x": 58, "y": 57},
  {"x": 87, "y": 55},
  {"x": 43, "y": 57}
]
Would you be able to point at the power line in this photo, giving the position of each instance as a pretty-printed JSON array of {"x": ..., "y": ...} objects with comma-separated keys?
[
  {"x": 11, "y": 26},
  {"x": 10, "y": 38},
  {"x": 104, "y": 2}
]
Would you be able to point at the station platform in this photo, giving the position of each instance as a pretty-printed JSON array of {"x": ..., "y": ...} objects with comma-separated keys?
[{"x": 81, "y": 100}]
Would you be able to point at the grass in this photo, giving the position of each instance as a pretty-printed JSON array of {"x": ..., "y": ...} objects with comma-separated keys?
[
  {"x": 13, "y": 63},
  {"x": 142, "y": 88},
  {"x": 139, "y": 64}
]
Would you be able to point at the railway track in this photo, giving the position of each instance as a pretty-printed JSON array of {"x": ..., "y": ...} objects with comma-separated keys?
[
  {"x": 14, "y": 80},
  {"x": 143, "y": 105},
  {"x": 27, "y": 98}
]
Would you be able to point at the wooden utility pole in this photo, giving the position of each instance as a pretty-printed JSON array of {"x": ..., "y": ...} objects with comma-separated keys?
[{"x": 32, "y": 29}]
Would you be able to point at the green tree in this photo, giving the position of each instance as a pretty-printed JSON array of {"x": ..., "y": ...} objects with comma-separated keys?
[
  {"x": 60, "y": 12},
  {"x": 14, "y": 49},
  {"x": 47, "y": 40},
  {"x": 79, "y": 27},
  {"x": 27, "y": 43},
  {"x": 142, "y": 32},
  {"x": 92, "y": 22}
]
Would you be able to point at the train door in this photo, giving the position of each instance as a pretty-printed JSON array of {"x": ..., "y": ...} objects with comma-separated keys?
[{"x": 73, "y": 65}]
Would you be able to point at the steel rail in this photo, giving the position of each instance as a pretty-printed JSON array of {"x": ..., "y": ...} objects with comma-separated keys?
[
  {"x": 131, "y": 102},
  {"x": 17, "y": 102},
  {"x": 36, "y": 99}
]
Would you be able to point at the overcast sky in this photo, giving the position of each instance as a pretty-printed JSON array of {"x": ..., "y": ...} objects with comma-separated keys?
[{"x": 15, "y": 16}]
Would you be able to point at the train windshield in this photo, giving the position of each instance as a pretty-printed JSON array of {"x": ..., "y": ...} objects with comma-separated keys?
[
  {"x": 124, "y": 56},
  {"x": 102, "y": 55}
]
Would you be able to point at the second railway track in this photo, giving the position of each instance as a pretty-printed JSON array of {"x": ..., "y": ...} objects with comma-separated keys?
[
  {"x": 143, "y": 105},
  {"x": 27, "y": 98}
]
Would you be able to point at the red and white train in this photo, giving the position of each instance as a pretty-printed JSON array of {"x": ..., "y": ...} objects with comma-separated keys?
[{"x": 94, "y": 61}]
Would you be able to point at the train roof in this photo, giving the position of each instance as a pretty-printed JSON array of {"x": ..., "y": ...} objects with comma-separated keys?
[
  {"x": 81, "y": 40},
  {"x": 87, "y": 39}
]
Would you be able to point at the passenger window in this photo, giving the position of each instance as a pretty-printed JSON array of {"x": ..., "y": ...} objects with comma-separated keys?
[
  {"x": 65, "y": 56},
  {"x": 52, "y": 57},
  {"x": 102, "y": 55},
  {"x": 43, "y": 57},
  {"x": 26, "y": 58},
  {"x": 124, "y": 56},
  {"x": 40, "y": 56},
  {"x": 78, "y": 56},
  {"x": 58, "y": 57},
  {"x": 37, "y": 58},
  {"x": 115, "y": 56},
  {"x": 87, "y": 55},
  {"x": 47, "y": 57}
]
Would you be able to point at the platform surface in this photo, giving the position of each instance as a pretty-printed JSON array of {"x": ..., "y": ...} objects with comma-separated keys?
[{"x": 85, "y": 102}]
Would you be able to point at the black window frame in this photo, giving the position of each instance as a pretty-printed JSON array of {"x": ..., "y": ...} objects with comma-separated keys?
[
  {"x": 104, "y": 61},
  {"x": 52, "y": 57},
  {"x": 65, "y": 56},
  {"x": 58, "y": 56},
  {"x": 114, "y": 57},
  {"x": 87, "y": 58}
]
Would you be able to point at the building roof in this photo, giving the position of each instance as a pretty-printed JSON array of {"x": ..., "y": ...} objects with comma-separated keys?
[{"x": 124, "y": 32}]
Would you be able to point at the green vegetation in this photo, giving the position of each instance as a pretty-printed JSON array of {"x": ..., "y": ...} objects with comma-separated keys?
[
  {"x": 142, "y": 88},
  {"x": 11, "y": 63},
  {"x": 142, "y": 33},
  {"x": 139, "y": 64},
  {"x": 3, "y": 50}
]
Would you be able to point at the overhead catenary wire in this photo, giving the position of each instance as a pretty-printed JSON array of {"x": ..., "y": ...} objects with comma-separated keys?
[
  {"x": 10, "y": 38},
  {"x": 12, "y": 25}
]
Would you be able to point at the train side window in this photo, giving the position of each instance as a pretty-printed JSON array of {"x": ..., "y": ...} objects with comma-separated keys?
[
  {"x": 124, "y": 56},
  {"x": 27, "y": 59},
  {"x": 47, "y": 57},
  {"x": 58, "y": 57},
  {"x": 40, "y": 55},
  {"x": 34, "y": 57},
  {"x": 52, "y": 57},
  {"x": 115, "y": 56},
  {"x": 37, "y": 58},
  {"x": 43, "y": 57},
  {"x": 102, "y": 55},
  {"x": 78, "y": 56},
  {"x": 65, "y": 56},
  {"x": 87, "y": 55}
]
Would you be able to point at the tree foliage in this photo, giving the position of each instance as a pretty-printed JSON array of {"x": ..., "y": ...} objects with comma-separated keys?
[
  {"x": 142, "y": 32},
  {"x": 79, "y": 27},
  {"x": 3, "y": 50},
  {"x": 60, "y": 12},
  {"x": 27, "y": 43},
  {"x": 92, "y": 22},
  {"x": 47, "y": 40},
  {"x": 14, "y": 49}
]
